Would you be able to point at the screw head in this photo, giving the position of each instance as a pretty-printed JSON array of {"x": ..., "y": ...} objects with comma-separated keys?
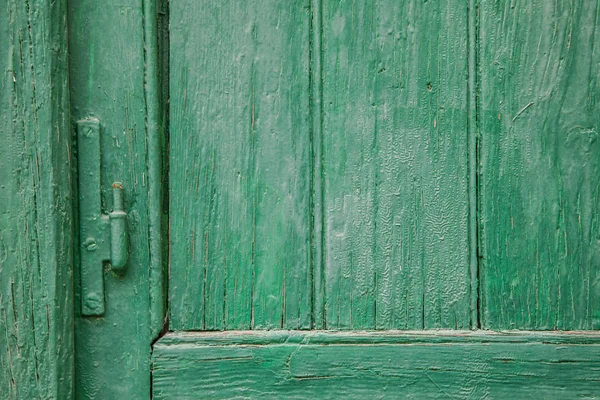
[{"x": 90, "y": 244}]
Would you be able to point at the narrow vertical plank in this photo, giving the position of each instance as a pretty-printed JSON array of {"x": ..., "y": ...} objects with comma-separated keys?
[
  {"x": 36, "y": 269},
  {"x": 156, "y": 109},
  {"x": 540, "y": 157},
  {"x": 349, "y": 119},
  {"x": 395, "y": 164},
  {"x": 108, "y": 82},
  {"x": 240, "y": 165}
]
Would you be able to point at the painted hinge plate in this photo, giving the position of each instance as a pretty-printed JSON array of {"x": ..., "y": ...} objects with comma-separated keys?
[{"x": 103, "y": 238}]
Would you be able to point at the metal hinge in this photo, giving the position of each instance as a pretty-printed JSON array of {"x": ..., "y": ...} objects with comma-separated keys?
[{"x": 103, "y": 238}]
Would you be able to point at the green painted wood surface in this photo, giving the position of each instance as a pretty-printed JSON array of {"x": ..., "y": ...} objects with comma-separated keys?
[
  {"x": 239, "y": 165},
  {"x": 358, "y": 365},
  {"x": 109, "y": 49},
  {"x": 36, "y": 271},
  {"x": 395, "y": 165},
  {"x": 540, "y": 164},
  {"x": 375, "y": 151}
]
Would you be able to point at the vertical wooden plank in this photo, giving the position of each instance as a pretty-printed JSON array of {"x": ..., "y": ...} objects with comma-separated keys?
[
  {"x": 110, "y": 81},
  {"x": 540, "y": 236},
  {"x": 395, "y": 164},
  {"x": 350, "y": 178},
  {"x": 239, "y": 165},
  {"x": 36, "y": 293}
]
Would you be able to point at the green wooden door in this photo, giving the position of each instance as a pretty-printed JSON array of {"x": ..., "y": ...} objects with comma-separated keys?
[{"x": 361, "y": 192}]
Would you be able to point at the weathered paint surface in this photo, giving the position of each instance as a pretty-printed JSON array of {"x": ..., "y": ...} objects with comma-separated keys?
[
  {"x": 395, "y": 165},
  {"x": 358, "y": 365},
  {"x": 111, "y": 82},
  {"x": 36, "y": 284},
  {"x": 540, "y": 164},
  {"x": 355, "y": 185},
  {"x": 239, "y": 165}
]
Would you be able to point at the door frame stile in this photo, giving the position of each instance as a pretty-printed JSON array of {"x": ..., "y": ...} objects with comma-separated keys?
[
  {"x": 154, "y": 163},
  {"x": 36, "y": 233}
]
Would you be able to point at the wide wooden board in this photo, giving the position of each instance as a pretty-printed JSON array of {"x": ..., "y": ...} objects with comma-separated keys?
[
  {"x": 239, "y": 165},
  {"x": 359, "y": 365},
  {"x": 36, "y": 226},
  {"x": 540, "y": 164},
  {"x": 395, "y": 165}
]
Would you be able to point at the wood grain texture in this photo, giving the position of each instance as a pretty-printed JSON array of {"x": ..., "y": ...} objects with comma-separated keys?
[
  {"x": 36, "y": 291},
  {"x": 360, "y": 365},
  {"x": 109, "y": 81},
  {"x": 540, "y": 164},
  {"x": 395, "y": 164},
  {"x": 239, "y": 165}
]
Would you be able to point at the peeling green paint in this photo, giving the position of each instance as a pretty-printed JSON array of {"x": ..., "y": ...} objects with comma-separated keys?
[
  {"x": 349, "y": 165},
  {"x": 36, "y": 270}
]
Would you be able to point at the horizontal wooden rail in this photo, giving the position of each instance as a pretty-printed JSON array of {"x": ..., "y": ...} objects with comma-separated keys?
[{"x": 390, "y": 364}]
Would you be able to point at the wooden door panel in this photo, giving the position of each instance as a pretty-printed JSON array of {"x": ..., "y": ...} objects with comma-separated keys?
[
  {"x": 359, "y": 117},
  {"x": 540, "y": 165},
  {"x": 239, "y": 165},
  {"x": 395, "y": 165},
  {"x": 382, "y": 165}
]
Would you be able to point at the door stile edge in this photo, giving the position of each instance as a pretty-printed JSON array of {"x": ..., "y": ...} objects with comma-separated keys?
[{"x": 154, "y": 164}]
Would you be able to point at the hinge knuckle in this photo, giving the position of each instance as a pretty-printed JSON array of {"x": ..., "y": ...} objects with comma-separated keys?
[{"x": 118, "y": 231}]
